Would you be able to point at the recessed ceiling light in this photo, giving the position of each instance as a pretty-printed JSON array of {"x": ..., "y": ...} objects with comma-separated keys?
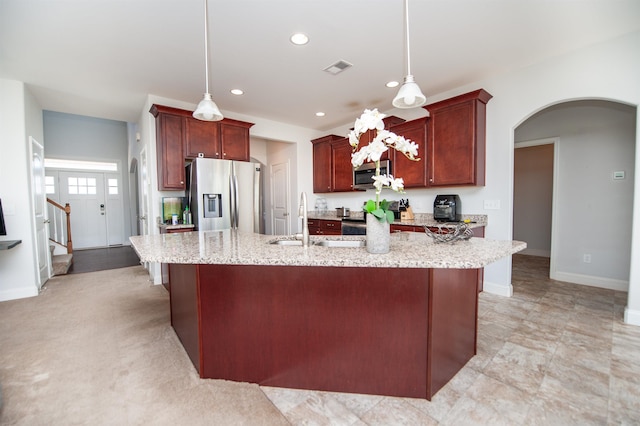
[
  {"x": 392, "y": 84},
  {"x": 299, "y": 39},
  {"x": 319, "y": 114},
  {"x": 237, "y": 92}
]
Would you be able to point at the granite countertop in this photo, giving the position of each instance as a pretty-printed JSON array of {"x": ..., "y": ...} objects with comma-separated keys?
[
  {"x": 408, "y": 250},
  {"x": 420, "y": 219}
]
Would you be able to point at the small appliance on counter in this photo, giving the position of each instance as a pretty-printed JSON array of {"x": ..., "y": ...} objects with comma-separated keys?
[
  {"x": 447, "y": 208},
  {"x": 343, "y": 212}
]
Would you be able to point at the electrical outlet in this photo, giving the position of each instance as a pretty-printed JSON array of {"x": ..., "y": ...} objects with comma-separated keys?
[
  {"x": 586, "y": 258},
  {"x": 492, "y": 204}
]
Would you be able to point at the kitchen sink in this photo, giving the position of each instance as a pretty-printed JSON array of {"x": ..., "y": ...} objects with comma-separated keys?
[
  {"x": 321, "y": 243},
  {"x": 286, "y": 242},
  {"x": 340, "y": 243}
]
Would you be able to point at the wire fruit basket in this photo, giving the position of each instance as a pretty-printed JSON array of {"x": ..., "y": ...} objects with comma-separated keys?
[{"x": 446, "y": 233}]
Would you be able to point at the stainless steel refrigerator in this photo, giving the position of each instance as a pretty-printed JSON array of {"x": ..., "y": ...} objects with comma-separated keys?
[{"x": 224, "y": 194}]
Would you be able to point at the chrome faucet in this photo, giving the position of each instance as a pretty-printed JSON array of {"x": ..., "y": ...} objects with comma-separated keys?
[{"x": 302, "y": 212}]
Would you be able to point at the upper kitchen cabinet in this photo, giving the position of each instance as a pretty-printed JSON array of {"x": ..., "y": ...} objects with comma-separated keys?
[
  {"x": 456, "y": 140},
  {"x": 169, "y": 147},
  {"x": 322, "y": 163},
  {"x": 342, "y": 176},
  {"x": 413, "y": 173},
  {"x": 234, "y": 139},
  {"x": 179, "y": 136},
  {"x": 202, "y": 138}
]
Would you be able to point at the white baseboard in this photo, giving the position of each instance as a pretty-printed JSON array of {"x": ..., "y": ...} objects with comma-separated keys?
[
  {"x": 591, "y": 281},
  {"x": 536, "y": 252},
  {"x": 18, "y": 293},
  {"x": 631, "y": 316},
  {"x": 499, "y": 289}
]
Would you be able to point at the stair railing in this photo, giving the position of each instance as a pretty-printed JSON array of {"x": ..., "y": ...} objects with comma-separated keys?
[{"x": 60, "y": 224}]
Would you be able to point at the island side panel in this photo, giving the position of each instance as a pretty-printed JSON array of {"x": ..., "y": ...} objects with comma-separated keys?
[
  {"x": 184, "y": 309},
  {"x": 359, "y": 330},
  {"x": 453, "y": 321}
]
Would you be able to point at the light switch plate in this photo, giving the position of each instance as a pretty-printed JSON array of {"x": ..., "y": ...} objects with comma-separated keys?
[
  {"x": 618, "y": 175},
  {"x": 492, "y": 204}
]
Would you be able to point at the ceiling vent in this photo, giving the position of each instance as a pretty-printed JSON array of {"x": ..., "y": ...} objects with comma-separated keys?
[{"x": 338, "y": 67}]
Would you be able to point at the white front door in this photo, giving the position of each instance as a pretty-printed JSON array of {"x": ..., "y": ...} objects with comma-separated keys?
[
  {"x": 114, "y": 209},
  {"x": 280, "y": 199},
  {"x": 40, "y": 212},
  {"x": 84, "y": 191}
]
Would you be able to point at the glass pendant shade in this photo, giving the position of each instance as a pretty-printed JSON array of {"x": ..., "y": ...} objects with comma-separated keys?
[
  {"x": 409, "y": 95},
  {"x": 207, "y": 110}
]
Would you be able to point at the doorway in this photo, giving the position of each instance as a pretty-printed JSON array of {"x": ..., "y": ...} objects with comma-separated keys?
[
  {"x": 280, "y": 202},
  {"x": 40, "y": 214},
  {"x": 533, "y": 195},
  {"x": 96, "y": 207},
  {"x": 592, "y": 207}
]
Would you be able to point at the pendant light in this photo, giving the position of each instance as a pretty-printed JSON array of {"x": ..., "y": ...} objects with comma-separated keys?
[
  {"x": 409, "y": 95},
  {"x": 207, "y": 109}
]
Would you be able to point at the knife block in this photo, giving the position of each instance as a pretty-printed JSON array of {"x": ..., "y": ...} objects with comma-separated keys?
[{"x": 407, "y": 214}]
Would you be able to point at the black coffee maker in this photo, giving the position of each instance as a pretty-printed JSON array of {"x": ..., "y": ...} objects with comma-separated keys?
[{"x": 447, "y": 208}]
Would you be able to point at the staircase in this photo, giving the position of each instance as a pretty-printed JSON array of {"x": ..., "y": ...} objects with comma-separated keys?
[{"x": 60, "y": 242}]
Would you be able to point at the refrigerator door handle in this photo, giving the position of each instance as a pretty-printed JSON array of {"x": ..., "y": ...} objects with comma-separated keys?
[
  {"x": 236, "y": 213},
  {"x": 232, "y": 200}
]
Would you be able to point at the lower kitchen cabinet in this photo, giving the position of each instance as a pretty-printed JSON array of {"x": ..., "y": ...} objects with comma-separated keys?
[
  {"x": 324, "y": 227},
  {"x": 406, "y": 228}
]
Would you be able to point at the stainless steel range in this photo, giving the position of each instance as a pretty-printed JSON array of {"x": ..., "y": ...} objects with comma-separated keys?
[{"x": 354, "y": 226}]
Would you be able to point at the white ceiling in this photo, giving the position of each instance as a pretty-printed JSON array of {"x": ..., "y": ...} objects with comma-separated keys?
[{"x": 102, "y": 57}]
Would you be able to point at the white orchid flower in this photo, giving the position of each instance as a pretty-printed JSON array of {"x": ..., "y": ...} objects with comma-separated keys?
[
  {"x": 376, "y": 148},
  {"x": 357, "y": 158}
]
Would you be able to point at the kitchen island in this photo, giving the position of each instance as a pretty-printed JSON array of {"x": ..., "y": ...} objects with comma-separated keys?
[{"x": 325, "y": 318}]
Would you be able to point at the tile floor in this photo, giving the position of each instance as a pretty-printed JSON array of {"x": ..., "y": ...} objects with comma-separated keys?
[{"x": 553, "y": 354}]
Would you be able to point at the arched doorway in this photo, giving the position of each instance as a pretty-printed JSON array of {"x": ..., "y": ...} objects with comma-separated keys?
[{"x": 592, "y": 199}]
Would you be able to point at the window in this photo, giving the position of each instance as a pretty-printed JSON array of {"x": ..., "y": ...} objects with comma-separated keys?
[
  {"x": 113, "y": 186},
  {"x": 49, "y": 185},
  {"x": 82, "y": 186}
]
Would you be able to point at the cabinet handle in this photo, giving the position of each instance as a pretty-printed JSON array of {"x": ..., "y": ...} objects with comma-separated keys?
[{"x": 181, "y": 182}]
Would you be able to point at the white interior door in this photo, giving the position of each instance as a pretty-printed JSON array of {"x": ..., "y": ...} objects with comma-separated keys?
[
  {"x": 40, "y": 212},
  {"x": 280, "y": 203},
  {"x": 84, "y": 191},
  {"x": 144, "y": 193}
]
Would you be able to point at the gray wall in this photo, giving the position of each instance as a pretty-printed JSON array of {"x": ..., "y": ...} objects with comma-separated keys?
[
  {"x": 593, "y": 211},
  {"x": 76, "y": 137}
]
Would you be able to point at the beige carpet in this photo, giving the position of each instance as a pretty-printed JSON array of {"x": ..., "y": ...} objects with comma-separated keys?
[{"x": 97, "y": 348}]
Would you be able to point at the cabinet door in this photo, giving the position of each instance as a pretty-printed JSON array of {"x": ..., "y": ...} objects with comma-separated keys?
[
  {"x": 330, "y": 227},
  {"x": 322, "y": 166},
  {"x": 342, "y": 167},
  {"x": 456, "y": 140},
  {"x": 170, "y": 153},
  {"x": 202, "y": 137},
  {"x": 234, "y": 142},
  {"x": 414, "y": 173}
]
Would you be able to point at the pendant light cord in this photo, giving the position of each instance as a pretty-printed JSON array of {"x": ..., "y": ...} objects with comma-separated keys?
[
  {"x": 206, "y": 46},
  {"x": 406, "y": 20}
]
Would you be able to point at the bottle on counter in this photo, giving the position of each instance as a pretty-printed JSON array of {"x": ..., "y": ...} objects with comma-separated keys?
[{"x": 186, "y": 216}]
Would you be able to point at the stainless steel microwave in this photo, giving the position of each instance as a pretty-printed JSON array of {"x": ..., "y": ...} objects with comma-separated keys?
[{"x": 362, "y": 176}]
